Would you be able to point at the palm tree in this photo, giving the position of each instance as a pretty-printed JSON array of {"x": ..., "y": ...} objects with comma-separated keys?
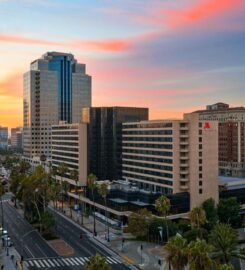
[
  {"x": 91, "y": 180},
  {"x": 224, "y": 238},
  {"x": 162, "y": 205},
  {"x": 65, "y": 187},
  {"x": 225, "y": 267},
  {"x": 176, "y": 249},
  {"x": 197, "y": 217},
  {"x": 97, "y": 262},
  {"x": 198, "y": 255},
  {"x": 74, "y": 176},
  {"x": 62, "y": 170},
  {"x": 103, "y": 191}
]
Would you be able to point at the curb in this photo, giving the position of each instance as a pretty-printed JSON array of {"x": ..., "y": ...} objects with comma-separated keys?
[{"x": 94, "y": 239}]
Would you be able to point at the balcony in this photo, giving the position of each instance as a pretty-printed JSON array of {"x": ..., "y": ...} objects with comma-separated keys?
[
  {"x": 184, "y": 142},
  {"x": 184, "y": 150},
  {"x": 184, "y": 180},
  {"x": 184, "y": 157},
  {"x": 186, "y": 187}
]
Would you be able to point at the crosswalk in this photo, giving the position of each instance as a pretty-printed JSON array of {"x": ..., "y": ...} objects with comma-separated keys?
[
  {"x": 6, "y": 200},
  {"x": 61, "y": 262}
]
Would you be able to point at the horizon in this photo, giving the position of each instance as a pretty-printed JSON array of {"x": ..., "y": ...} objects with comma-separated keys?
[{"x": 172, "y": 58}]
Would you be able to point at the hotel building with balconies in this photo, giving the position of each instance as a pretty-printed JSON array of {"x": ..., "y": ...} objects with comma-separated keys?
[{"x": 172, "y": 156}]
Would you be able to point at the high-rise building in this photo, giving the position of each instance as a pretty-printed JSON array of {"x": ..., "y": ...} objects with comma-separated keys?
[
  {"x": 69, "y": 146},
  {"x": 172, "y": 156},
  {"x": 55, "y": 89},
  {"x": 105, "y": 138},
  {"x": 231, "y": 137},
  {"x": 16, "y": 138},
  {"x": 3, "y": 137}
]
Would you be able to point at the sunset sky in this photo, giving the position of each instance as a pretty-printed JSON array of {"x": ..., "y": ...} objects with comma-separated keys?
[{"x": 172, "y": 56}]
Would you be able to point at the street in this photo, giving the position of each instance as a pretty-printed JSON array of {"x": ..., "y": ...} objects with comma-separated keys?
[{"x": 39, "y": 255}]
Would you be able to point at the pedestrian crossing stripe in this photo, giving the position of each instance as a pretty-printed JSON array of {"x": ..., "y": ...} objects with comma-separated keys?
[
  {"x": 60, "y": 262},
  {"x": 6, "y": 200}
]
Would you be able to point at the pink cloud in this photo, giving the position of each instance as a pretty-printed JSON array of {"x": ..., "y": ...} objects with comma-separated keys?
[{"x": 201, "y": 10}]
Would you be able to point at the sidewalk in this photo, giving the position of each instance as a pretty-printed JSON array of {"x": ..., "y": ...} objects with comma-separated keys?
[
  {"x": 12, "y": 261},
  {"x": 131, "y": 252}
]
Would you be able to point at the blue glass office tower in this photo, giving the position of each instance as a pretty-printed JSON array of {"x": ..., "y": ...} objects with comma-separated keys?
[{"x": 55, "y": 89}]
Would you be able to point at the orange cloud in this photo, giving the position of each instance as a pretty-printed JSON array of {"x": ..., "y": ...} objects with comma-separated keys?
[
  {"x": 12, "y": 85},
  {"x": 200, "y": 11},
  {"x": 7, "y": 38},
  {"x": 106, "y": 45}
]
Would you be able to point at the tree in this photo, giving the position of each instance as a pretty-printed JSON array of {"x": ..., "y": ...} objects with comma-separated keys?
[
  {"x": 197, "y": 217},
  {"x": 211, "y": 212},
  {"x": 225, "y": 267},
  {"x": 65, "y": 187},
  {"x": 198, "y": 255},
  {"x": 195, "y": 233},
  {"x": 228, "y": 211},
  {"x": 47, "y": 220},
  {"x": 176, "y": 252},
  {"x": 91, "y": 181},
  {"x": 23, "y": 167},
  {"x": 62, "y": 171},
  {"x": 103, "y": 191},
  {"x": 97, "y": 262},
  {"x": 160, "y": 223},
  {"x": 162, "y": 205},
  {"x": 225, "y": 240},
  {"x": 74, "y": 176},
  {"x": 139, "y": 222}
]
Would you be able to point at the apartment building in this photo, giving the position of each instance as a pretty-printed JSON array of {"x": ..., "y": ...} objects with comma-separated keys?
[
  {"x": 69, "y": 146},
  {"x": 172, "y": 156},
  {"x": 231, "y": 137}
]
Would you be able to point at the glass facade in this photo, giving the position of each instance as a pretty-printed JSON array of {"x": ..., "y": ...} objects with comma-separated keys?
[
  {"x": 55, "y": 89},
  {"x": 105, "y": 138}
]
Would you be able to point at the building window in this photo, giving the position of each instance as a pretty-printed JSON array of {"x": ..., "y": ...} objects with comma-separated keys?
[
  {"x": 200, "y": 175},
  {"x": 200, "y": 183},
  {"x": 200, "y": 190}
]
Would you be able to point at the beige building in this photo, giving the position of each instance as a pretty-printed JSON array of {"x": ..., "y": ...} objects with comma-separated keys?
[
  {"x": 55, "y": 89},
  {"x": 173, "y": 156},
  {"x": 69, "y": 146}
]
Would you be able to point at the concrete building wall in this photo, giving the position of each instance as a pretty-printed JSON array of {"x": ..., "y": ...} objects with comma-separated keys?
[
  {"x": 190, "y": 148},
  {"x": 56, "y": 88},
  {"x": 69, "y": 146}
]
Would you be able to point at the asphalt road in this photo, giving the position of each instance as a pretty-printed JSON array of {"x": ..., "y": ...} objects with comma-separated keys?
[
  {"x": 39, "y": 255},
  {"x": 87, "y": 246}
]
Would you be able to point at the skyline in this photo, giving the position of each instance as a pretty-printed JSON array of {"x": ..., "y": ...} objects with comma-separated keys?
[{"x": 171, "y": 57}]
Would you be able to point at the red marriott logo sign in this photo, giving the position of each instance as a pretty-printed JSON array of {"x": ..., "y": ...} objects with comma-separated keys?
[{"x": 206, "y": 125}]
